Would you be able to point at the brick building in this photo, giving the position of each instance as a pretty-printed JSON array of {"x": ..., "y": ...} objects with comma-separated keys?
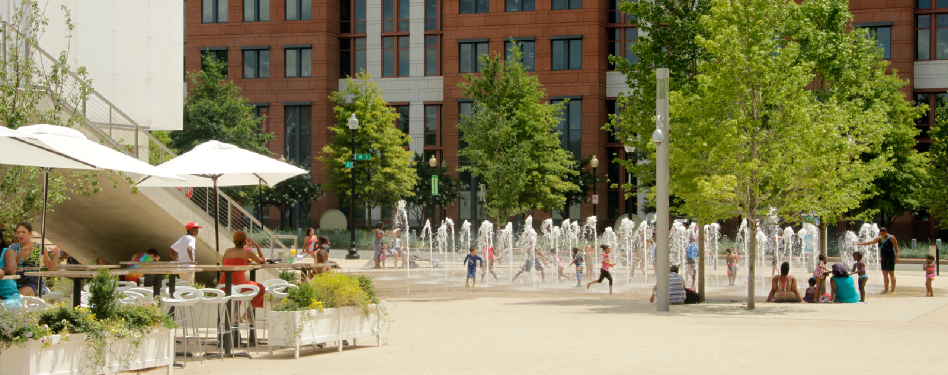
[{"x": 289, "y": 55}]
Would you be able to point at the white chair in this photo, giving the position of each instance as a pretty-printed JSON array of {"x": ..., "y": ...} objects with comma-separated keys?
[
  {"x": 84, "y": 299},
  {"x": 166, "y": 292},
  {"x": 53, "y": 297},
  {"x": 29, "y": 303},
  {"x": 280, "y": 291},
  {"x": 126, "y": 285},
  {"x": 129, "y": 298},
  {"x": 266, "y": 284},
  {"x": 183, "y": 300},
  {"x": 215, "y": 298},
  {"x": 242, "y": 295},
  {"x": 147, "y": 292},
  {"x": 177, "y": 283}
]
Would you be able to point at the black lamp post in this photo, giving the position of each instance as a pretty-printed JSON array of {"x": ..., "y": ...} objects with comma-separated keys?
[
  {"x": 594, "y": 162},
  {"x": 353, "y": 252}
]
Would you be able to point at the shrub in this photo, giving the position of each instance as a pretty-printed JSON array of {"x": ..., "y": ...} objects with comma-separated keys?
[{"x": 104, "y": 292}]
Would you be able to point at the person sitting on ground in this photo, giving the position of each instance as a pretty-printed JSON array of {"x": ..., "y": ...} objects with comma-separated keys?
[
  {"x": 240, "y": 256},
  {"x": 151, "y": 255},
  {"x": 810, "y": 295},
  {"x": 29, "y": 254},
  {"x": 8, "y": 291},
  {"x": 676, "y": 287},
  {"x": 843, "y": 289},
  {"x": 784, "y": 286}
]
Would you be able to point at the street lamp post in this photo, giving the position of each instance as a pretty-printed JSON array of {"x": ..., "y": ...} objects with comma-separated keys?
[
  {"x": 444, "y": 171},
  {"x": 433, "y": 163},
  {"x": 353, "y": 252},
  {"x": 594, "y": 163},
  {"x": 661, "y": 140}
]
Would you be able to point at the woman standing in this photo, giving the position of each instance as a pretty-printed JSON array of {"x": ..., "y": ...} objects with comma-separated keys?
[
  {"x": 377, "y": 244},
  {"x": 784, "y": 287},
  {"x": 29, "y": 255},
  {"x": 889, "y": 254}
]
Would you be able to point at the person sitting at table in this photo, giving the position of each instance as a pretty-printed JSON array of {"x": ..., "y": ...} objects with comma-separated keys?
[
  {"x": 29, "y": 255},
  {"x": 239, "y": 255},
  {"x": 8, "y": 290},
  {"x": 151, "y": 255}
]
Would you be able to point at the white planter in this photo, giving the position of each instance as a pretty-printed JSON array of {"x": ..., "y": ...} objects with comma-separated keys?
[
  {"x": 71, "y": 356},
  {"x": 345, "y": 323}
]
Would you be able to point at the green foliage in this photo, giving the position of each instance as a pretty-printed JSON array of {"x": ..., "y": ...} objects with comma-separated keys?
[
  {"x": 368, "y": 286},
  {"x": 512, "y": 144},
  {"x": 62, "y": 319},
  {"x": 329, "y": 290},
  {"x": 299, "y": 299},
  {"x": 214, "y": 110},
  {"x": 936, "y": 186},
  {"x": 291, "y": 191},
  {"x": 103, "y": 293},
  {"x": 288, "y": 276},
  {"x": 388, "y": 177},
  {"x": 585, "y": 180},
  {"x": 18, "y": 326},
  {"x": 449, "y": 188}
]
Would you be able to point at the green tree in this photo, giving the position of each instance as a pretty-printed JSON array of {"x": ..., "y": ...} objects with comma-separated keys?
[
  {"x": 291, "y": 191},
  {"x": 449, "y": 189},
  {"x": 936, "y": 186},
  {"x": 388, "y": 177},
  {"x": 584, "y": 180},
  {"x": 511, "y": 139}
]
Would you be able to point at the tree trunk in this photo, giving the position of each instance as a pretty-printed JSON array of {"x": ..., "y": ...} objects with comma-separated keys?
[
  {"x": 824, "y": 241},
  {"x": 751, "y": 258},
  {"x": 701, "y": 274}
]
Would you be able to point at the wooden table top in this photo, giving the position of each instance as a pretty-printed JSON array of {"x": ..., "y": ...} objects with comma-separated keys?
[
  {"x": 160, "y": 271},
  {"x": 294, "y": 265},
  {"x": 87, "y": 266},
  {"x": 214, "y": 267},
  {"x": 18, "y": 269},
  {"x": 76, "y": 274},
  {"x": 157, "y": 263},
  {"x": 10, "y": 277}
]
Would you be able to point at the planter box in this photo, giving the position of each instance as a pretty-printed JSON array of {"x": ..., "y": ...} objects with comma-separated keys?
[
  {"x": 344, "y": 323},
  {"x": 71, "y": 356}
]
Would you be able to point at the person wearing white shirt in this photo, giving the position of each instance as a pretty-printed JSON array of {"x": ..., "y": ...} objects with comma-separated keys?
[{"x": 183, "y": 250}]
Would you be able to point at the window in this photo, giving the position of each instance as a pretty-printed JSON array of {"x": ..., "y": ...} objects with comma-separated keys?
[
  {"x": 617, "y": 16},
  {"x": 256, "y": 62},
  {"x": 469, "y": 51},
  {"x": 352, "y": 12},
  {"x": 393, "y": 20},
  {"x": 432, "y": 55},
  {"x": 299, "y": 61},
  {"x": 567, "y": 4},
  {"x": 932, "y": 34},
  {"x": 882, "y": 33},
  {"x": 262, "y": 111},
  {"x": 256, "y": 10},
  {"x": 216, "y": 54},
  {"x": 464, "y": 109},
  {"x": 571, "y": 126},
  {"x": 432, "y": 16},
  {"x": 213, "y": 11},
  {"x": 473, "y": 6},
  {"x": 298, "y": 133},
  {"x": 527, "y": 47},
  {"x": 432, "y": 125},
  {"x": 934, "y": 101},
  {"x": 297, "y": 10},
  {"x": 620, "y": 43},
  {"x": 567, "y": 53},
  {"x": 351, "y": 60},
  {"x": 402, "y": 122},
  {"x": 520, "y": 5},
  {"x": 395, "y": 56},
  {"x": 612, "y": 108}
]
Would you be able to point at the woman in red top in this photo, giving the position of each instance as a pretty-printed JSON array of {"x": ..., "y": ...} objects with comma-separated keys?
[{"x": 241, "y": 255}]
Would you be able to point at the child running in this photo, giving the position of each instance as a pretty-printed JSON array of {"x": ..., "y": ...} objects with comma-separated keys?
[
  {"x": 810, "y": 295},
  {"x": 559, "y": 266},
  {"x": 604, "y": 272},
  {"x": 929, "y": 268},
  {"x": 578, "y": 261},
  {"x": 528, "y": 265},
  {"x": 731, "y": 260},
  {"x": 471, "y": 261},
  {"x": 859, "y": 268}
]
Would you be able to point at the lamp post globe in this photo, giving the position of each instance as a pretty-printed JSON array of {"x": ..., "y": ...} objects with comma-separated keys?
[
  {"x": 353, "y": 252},
  {"x": 433, "y": 163},
  {"x": 594, "y": 163}
]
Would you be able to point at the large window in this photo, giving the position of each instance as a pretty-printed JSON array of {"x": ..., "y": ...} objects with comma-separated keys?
[
  {"x": 395, "y": 15},
  {"x": 432, "y": 125},
  {"x": 256, "y": 10},
  {"x": 299, "y": 61},
  {"x": 931, "y": 37},
  {"x": 469, "y": 51},
  {"x": 567, "y": 4},
  {"x": 261, "y": 111},
  {"x": 395, "y": 56},
  {"x": 351, "y": 56},
  {"x": 403, "y": 121},
  {"x": 432, "y": 55},
  {"x": 432, "y": 15},
  {"x": 571, "y": 126},
  {"x": 527, "y": 47},
  {"x": 567, "y": 53},
  {"x": 612, "y": 108},
  {"x": 213, "y": 11},
  {"x": 474, "y": 6},
  {"x": 882, "y": 33},
  {"x": 352, "y": 17},
  {"x": 620, "y": 43},
  {"x": 297, "y": 10},
  {"x": 256, "y": 62},
  {"x": 298, "y": 133},
  {"x": 216, "y": 54},
  {"x": 934, "y": 100},
  {"x": 616, "y": 16},
  {"x": 520, "y": 5}
]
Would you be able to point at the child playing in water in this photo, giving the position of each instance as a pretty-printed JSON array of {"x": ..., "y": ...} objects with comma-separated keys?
[
  {"x": 820, "y": 275},
  {"x": 471, "y": 261},
  {"x": 929, "y": 268},
  {"x": 731, "y": 260},
  {"x": 386, "y": 254},
  {"x": 604, "y": 272},
  {"x": 559, "y": 266},
  {"x": 860, "y": 268},
  {"x": 810, "y": 295},
  {"x": 490, "y": 263},
  {"x": 578, "y": 261},
  {"x": 590, "y": 258},
  {"x": 528, "y": 265}
]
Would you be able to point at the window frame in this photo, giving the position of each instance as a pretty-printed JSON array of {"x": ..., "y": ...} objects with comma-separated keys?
[
  {"x": 873, "y": 29},
  {"x": 300, "y": 10},
  {"x": 508, "y": 42},
  {"x": 400, "y": 48},
  {"x": 567, "y": 41},
  {"x": 437, "y": 54},
  {"x": 257, "y": 52},
  {"x": 623, "y": 18},
  {"x": 438, "y": 15},
  {"x": 396, "y": 21},
  {"x": 397, "y": 108},
  {"x": 257, "y": 10},
  {"x": 565, "y": 124},
  {"x": 569, "y": 4},
  {"x": 353, "y": 23},
  {"x": 437, "y": 125},
  {"x": 217, "y": 52},
  {"x": 258, "y": 112},
  {"x": 624, "y": 43},
  {"x": 476, "y": 6},
  {"x": 216, "y": 16},
  {"x": 521, "y": 5},
  {"x": 475, "y": 45},
  {"x": 353, "y": 53},
  {"x": 299, "y": 54}
]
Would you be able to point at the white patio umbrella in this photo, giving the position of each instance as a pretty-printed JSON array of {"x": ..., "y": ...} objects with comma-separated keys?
[
  {"x": 216, "y": 164},
  {"x": 51, "y": 146}
]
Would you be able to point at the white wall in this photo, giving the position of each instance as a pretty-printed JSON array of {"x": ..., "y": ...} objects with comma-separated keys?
[{"x": 133, "y": 51}]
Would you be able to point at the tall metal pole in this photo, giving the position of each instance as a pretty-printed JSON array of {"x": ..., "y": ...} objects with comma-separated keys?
[
  {"x": 353, "y": 252},
  {"x": 217, "y": 213},
  {"x": 661, "y": 185},
  {"x": 595, "y": 192}
]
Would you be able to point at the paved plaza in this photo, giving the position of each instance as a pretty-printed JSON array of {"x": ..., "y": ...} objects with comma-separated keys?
[{"x": 499, "y": 328}]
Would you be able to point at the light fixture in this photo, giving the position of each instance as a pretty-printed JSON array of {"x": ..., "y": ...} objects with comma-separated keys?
[
  {"x": 629, "y": 149},
  {"x": 353, "y": 122},
  {"x": 594, "y": 162},
  {"x": 658, "y": 137},
  {"x": 433, "y": 163},
  {"x": 282, "y": 159},
  {"x": 444, "y": 164}
]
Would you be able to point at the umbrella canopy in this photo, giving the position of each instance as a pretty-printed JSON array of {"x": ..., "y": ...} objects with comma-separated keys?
[
  {"x": 18, "y": 148},
  {"x": 232, "y": 165}
]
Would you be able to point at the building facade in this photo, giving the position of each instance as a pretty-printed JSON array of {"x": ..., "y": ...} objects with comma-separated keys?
[{"x": 289, "y": 55}]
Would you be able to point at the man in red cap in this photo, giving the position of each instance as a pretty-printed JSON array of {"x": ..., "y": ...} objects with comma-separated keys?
[{"x": 183, "y": 250}]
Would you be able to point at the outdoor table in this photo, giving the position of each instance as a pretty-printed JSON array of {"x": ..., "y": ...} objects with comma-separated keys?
[
  {"x": 19, "y": 269},
  {"x": 157, "y": 263},
  {"x": 10, "y": 277},
  {"x": 76, "y": 277},
  {"x": 86, "y": 267},
  {"x": 228, "y": 341},
  {"x": 253, "y": 272},
  {"x": 171, "y": 272}
]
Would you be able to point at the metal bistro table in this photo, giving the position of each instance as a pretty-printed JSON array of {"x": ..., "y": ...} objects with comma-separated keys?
[
  {"x": 10, "y": 277},
  {"x": 228, "y": 340},
  {"x": 87, "y": 267},
  {"x": 76, "y": 277},
  {"x": 299, "y": 266},
  {"x": 172, "y": 269}
]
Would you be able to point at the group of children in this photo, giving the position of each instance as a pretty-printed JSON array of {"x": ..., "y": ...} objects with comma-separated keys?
[{"x": 472, "y": 261}]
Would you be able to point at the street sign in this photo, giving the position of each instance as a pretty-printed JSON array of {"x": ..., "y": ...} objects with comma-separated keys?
[
  {"x": 434, "y": 184},
  {"x": 188, "y": 192},
  {"x": 349, "y": 164},
  {"x": 595, "y": 198},
  {"x": 363, "y": 157}
]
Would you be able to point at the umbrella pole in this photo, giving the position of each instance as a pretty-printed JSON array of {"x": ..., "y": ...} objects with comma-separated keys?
[
  {"x": 43, "y": 224},
  {"x": 217, "y": 213}
]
